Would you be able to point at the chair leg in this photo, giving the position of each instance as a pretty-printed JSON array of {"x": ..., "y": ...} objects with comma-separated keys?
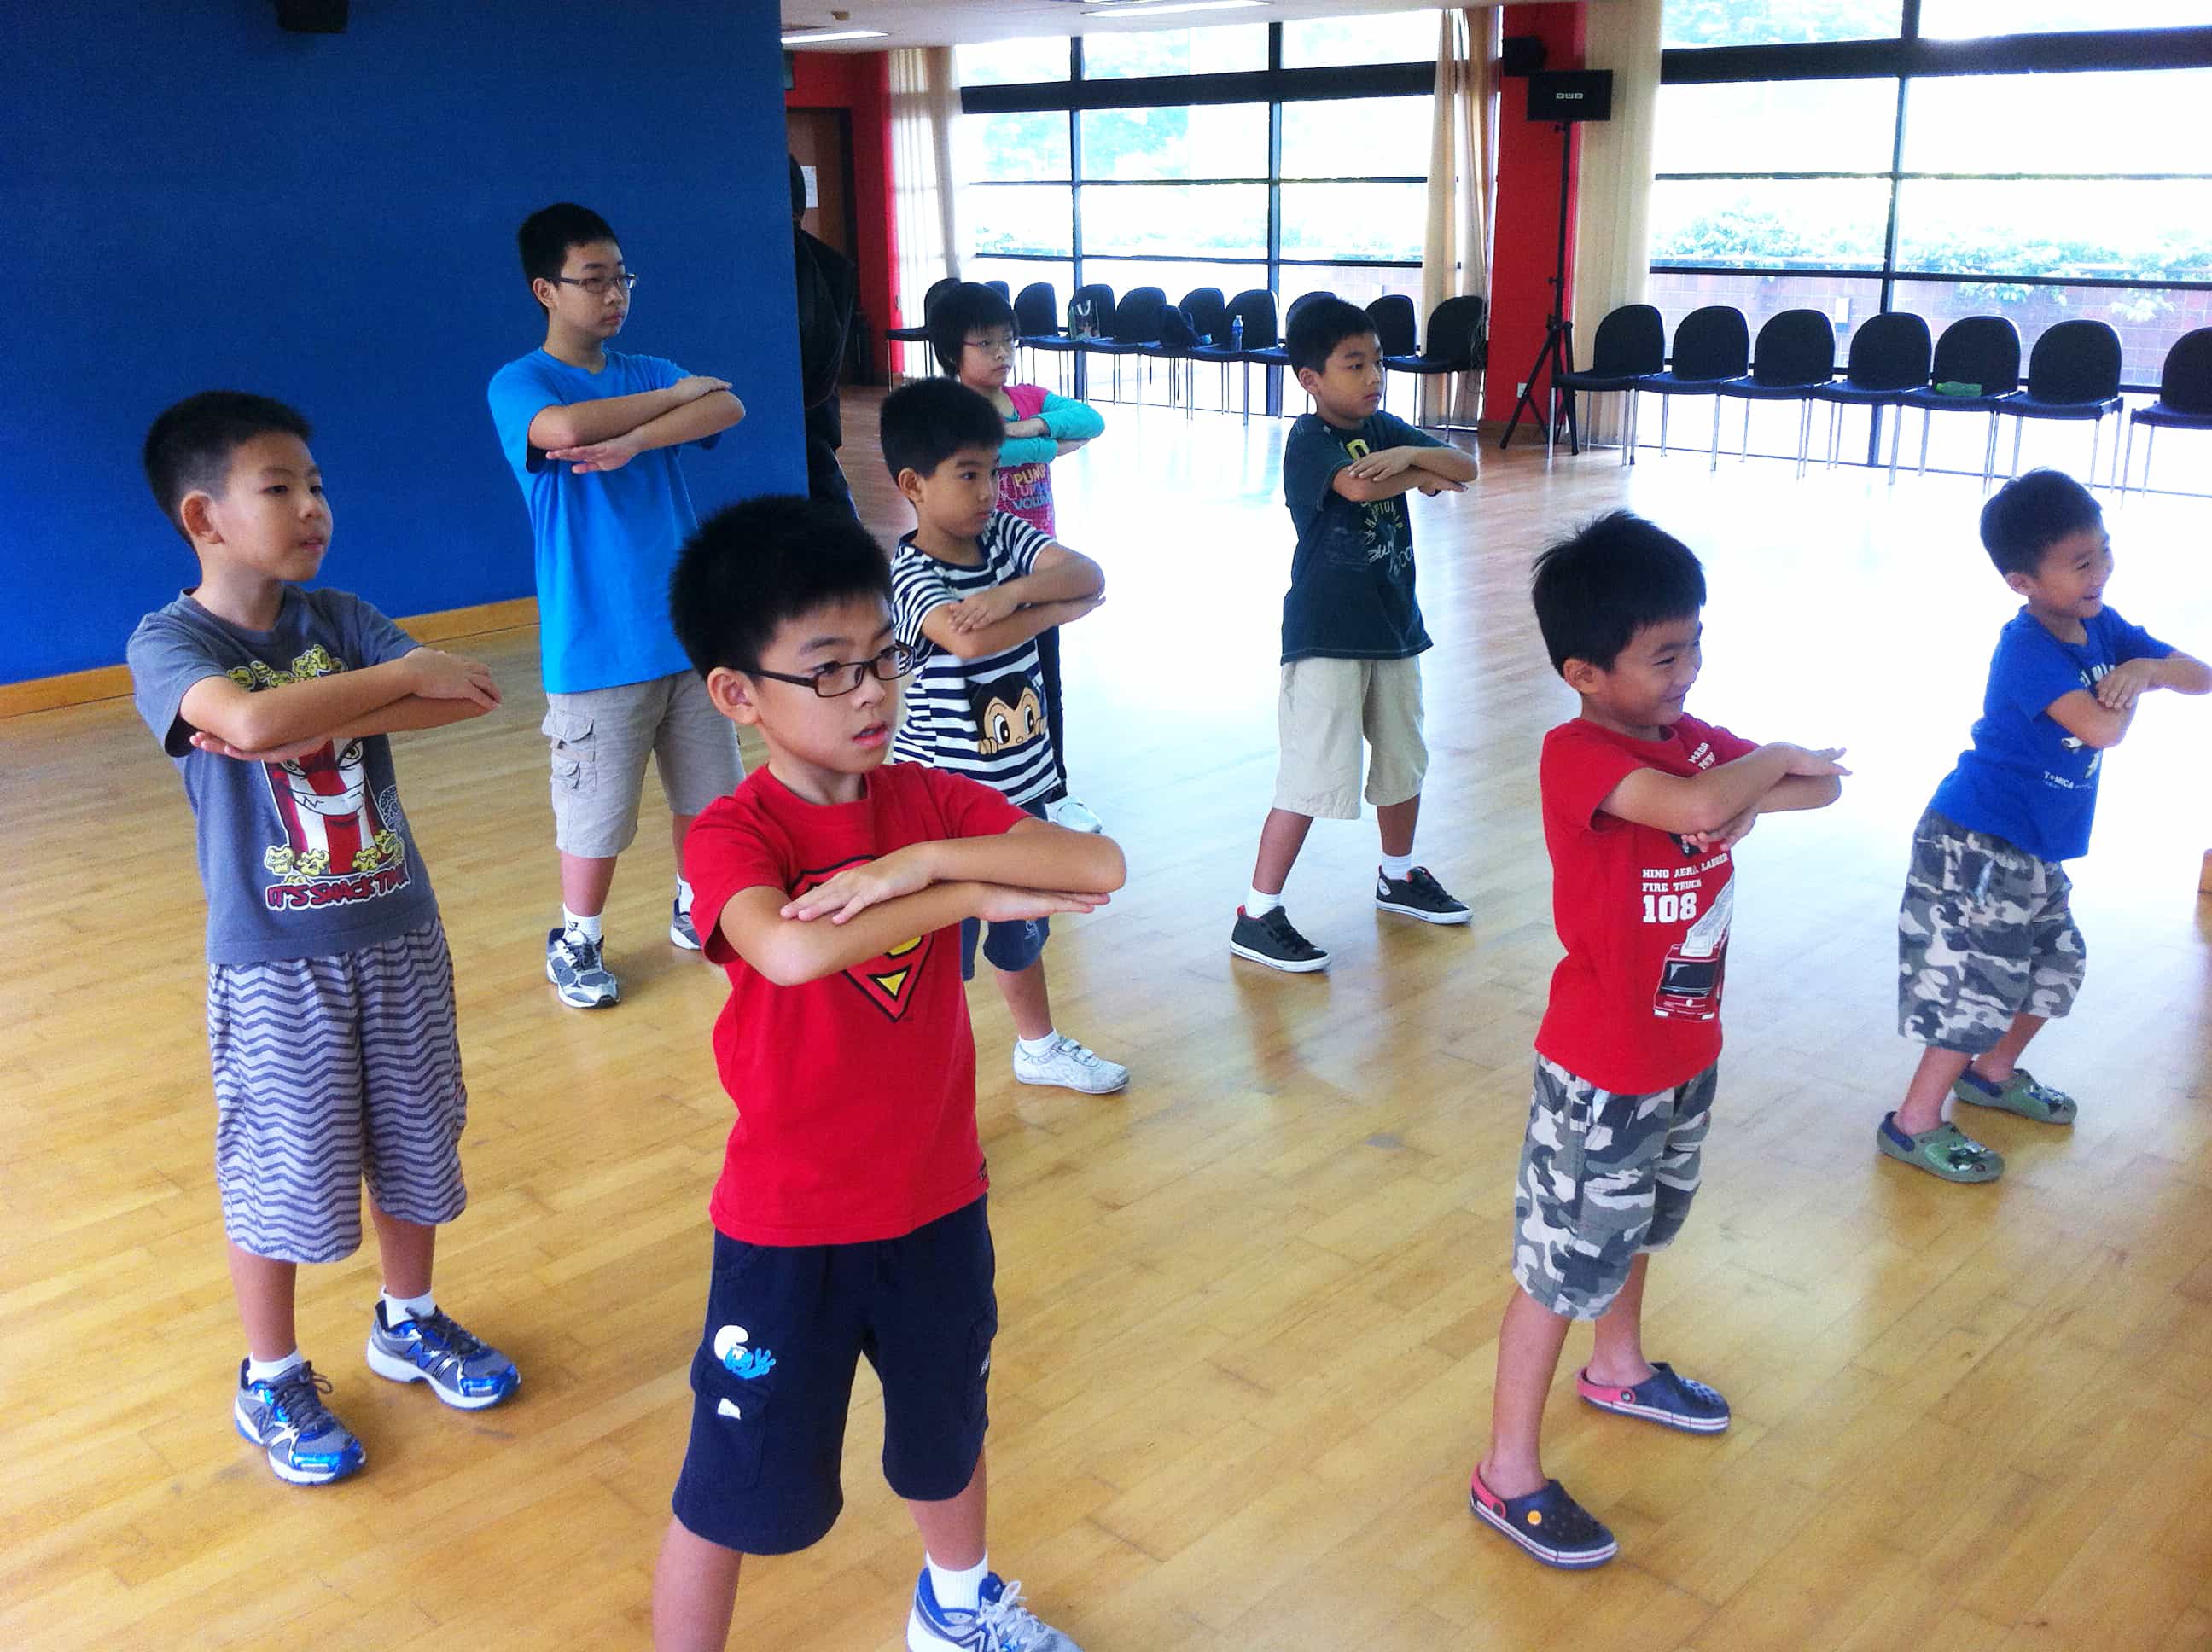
[
  {"x": 1744, "y": 452},
  {"x": 2096, "y": 440},
  {"x": 2018, "y": 429},
  {"x": 2128, "y": 453},
  {"x": 1713, "y": 454},
  {"x": 1666, "y": 406},
  {"x": 1804, "y": 433},
  {"x": 1896, "y": 433},
  {"x": 1989, "y": 455},
  {"x": 1927, "y": 418},
  {"x": 2150, "y": 446},
  {"x": 1550, "y": 419}
]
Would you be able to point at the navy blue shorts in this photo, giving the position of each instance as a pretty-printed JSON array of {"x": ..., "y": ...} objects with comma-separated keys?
[
  {"x": 786, "y": 1325},
  {"x": 1011, "y": 947}
]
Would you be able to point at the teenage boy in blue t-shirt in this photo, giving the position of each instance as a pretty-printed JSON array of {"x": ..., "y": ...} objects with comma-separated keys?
[
  {"x": 1352, "y": 636},
  {"x": 593, "y": 436},
  {"x": 1987, "y": 947}
]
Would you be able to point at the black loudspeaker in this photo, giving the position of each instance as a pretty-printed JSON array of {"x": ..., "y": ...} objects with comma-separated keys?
[
  {"x": 1571, "y": 95},
  {"x": 311, "y": 17},
  {"x": 1521, "y": 54}
]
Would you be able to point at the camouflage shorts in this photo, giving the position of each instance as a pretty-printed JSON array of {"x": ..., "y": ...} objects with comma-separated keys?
[
  {"x": 1986, "y": 932},
  {"x": 1602, "y": 1177}
]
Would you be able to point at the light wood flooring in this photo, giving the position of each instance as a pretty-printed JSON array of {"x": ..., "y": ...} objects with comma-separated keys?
[{"x": 1249, "y": 1307}]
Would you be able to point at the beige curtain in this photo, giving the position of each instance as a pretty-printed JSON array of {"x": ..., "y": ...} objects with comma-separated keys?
[
  {"x": 1613, "y": 218},
  {"x": 925, "y": 198},
  {"x": 1456, "y": 252}
]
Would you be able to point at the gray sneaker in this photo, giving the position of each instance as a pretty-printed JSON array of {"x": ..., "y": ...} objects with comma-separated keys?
[
  {"x": 461, "y": 1370},
  {"x": 579, "y": 972},
  {"x": 681, "y": 933},
  {"x": 1002, "y": 1622},
  {"x": 287, "y": 1418}
]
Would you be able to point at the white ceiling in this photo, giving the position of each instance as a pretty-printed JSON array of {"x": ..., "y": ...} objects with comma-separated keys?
[{"x": 952, "y": 22}]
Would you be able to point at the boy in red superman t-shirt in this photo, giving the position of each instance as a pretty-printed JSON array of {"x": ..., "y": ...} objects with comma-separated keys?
[
  {"x": 1642, "y": 806},
  {"x": 849, "y": 1215}
]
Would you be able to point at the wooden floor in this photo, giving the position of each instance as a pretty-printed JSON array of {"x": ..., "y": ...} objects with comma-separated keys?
[{"x": 1249, "y": 1307}]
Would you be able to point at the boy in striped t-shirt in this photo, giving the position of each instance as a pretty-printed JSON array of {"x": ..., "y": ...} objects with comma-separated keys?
[{"x": 971, "y": 587}]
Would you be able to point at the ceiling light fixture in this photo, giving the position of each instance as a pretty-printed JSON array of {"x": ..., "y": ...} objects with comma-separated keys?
[
  {"x": 822, "y": 36},
  {"x": 1130, "y": 11}
]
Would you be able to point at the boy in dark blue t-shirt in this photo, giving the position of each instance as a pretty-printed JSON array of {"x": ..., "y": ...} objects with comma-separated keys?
[
  {"x": 1351, "y": 633},
  {"x": 1987, "y": 947}
]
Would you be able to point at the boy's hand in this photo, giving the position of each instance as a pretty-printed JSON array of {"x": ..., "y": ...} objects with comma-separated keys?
[
  {"x": 441, "y": 676},
  {"x": 202, "y": 741},
  {"x": 610, "y": 455},
  {"x": 1443, "y": 485},
  {"x": 2121, "y": 686},
  {"x": 1728, "y": 836},
  {"x": 1004, "y": 903},
  {"x": 984, "y": 607},
  {"x": 1819, "y": 764},
  {"x": 694, "y": 386},
  {"x": 1381, "y": 466},
  {"x": 853, "y": 891}
]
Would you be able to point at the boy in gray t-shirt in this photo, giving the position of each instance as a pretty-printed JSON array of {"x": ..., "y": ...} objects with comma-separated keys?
[{"x": 330, "y": 988}]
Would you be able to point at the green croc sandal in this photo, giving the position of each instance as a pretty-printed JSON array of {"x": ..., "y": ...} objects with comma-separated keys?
[
  {"x": 2020, "y": 1094},
  {"x": 1946, "y": 1152}
]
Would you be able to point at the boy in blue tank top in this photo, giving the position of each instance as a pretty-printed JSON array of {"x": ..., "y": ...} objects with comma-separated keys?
[{"x": 1988, "y": 950}]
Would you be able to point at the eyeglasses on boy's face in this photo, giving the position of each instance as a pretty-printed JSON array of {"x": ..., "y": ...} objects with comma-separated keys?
[
  {"x": 842, "y": 676},
  {"x": 599, "y": 286}
]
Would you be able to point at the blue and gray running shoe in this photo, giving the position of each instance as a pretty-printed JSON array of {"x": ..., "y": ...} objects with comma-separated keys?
[
  {"x": 286, "y": 1417},
  {"x": 460, "y": 1370},
  {"x": 1000, "y": 1622},
  {"x": 578, "y": 971}
]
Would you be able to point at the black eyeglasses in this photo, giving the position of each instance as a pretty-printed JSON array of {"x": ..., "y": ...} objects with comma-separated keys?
[
  {"x": 842, "y": 676},
  {"x": 599, "y": 286}
]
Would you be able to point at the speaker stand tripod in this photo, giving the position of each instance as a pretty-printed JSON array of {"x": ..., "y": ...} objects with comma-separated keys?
[{"x": 1557, "y": 355}]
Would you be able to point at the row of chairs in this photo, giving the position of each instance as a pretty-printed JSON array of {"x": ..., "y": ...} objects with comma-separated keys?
[
  {"x": 2073, "y": 374},
  {"x": 1141, "y": 325}
]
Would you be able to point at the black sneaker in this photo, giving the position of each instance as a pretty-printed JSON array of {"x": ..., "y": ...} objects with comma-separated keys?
[
  {"x": 1274, "y": 941},
  {"x": 1417, "y": 894}
]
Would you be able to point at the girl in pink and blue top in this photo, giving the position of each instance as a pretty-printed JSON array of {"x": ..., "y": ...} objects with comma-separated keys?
[{"x": 972, "y": 330}]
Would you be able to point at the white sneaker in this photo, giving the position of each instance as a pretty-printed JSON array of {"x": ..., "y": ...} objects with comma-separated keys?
[
  {"x": 1071, "y": 813},
  {"x": 1070, "y": 1066}
]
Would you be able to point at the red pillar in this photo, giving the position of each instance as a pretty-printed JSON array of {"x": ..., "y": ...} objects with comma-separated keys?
[{"x": 1524, "y": 238}]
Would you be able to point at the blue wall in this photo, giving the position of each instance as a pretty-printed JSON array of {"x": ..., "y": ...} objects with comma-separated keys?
[{"x": 195, "y": 199}]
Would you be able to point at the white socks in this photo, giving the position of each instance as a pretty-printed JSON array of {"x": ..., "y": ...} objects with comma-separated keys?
[
  {"x": 396, "y": 1308},
  {"x": 587, "y": 928},
  {"x": 1397, "y": 867},
  {"x": 959, "y": 1591},
  {"x": 1258, "y": 903},
  {"x": 268, "y": 1370},
  {"x": 1037, "y": 1048}
]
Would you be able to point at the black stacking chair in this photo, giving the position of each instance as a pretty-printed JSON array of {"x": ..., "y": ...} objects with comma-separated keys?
[
  {"x": 1889, "y": 356},
  {"x": 1097, "y": 299},
  {"x": 1036, "y": 323},
  {"x": 1276, "y": 358},
  {"x": 1178, "y": 337},
  {"x": 1456, "y": 345},
  {"x": 2184, "y": 399},
  {"x": 1256, "y": 307},
  {"x": 1980, "y": 355},
  {"x": 1630, "y": 345},
  {"x": 1794, "y": 356},
  {"x": 1207, "y": 317},
  {"x": 920, "y": 334},
  {"x": 2072, "y": 372},
  {"x": 1134, "y": 324},
  {"x": 1001, "y": 288},
  {"x": 1394, "y": 318},
  {"x": 1711, "y": 346}
]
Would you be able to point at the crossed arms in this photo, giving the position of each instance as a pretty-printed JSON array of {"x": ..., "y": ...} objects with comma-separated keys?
[
  {"x": 1031, "y": 872},
  {"x": 1716, "y": 809},
  {"x": 1062, "y": 585},
  {"x": 1396, "y": 471},
  {"x": 2101, "y": 718},
  {"x": 606, "y": 436},
  {"x": 425, "y": 688}
]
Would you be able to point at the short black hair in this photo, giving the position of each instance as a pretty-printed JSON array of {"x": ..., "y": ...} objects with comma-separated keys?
[
  {"x": 925, "y": 423},
  {"x": 1597, "y": 588},
  {"x": 755, "y": 565},
  {"x": 189, "y": 447},
  {"x": 2032, "y": 512},
  {"x": 960, "y": 311},
  {"x": 547, "y": 234},
  {"x": 1321, "y": 326}
]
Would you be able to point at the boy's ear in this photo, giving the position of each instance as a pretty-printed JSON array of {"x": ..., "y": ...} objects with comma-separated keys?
[
  {"x": 196, "y": 512},
  {"x": 1581, "y": 675},
  {"x": 542, "y": 291},
  {"x": 909, "y": 482},
  {"x": 1307, "y": 380},
  {"x": 733, "y": 692},
  {"x": 2022, "y": 585}
]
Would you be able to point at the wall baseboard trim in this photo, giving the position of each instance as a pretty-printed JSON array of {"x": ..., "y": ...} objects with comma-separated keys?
[{"x": 113, "y": 682}]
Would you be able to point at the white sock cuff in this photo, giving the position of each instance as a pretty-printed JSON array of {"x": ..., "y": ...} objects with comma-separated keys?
[
  {"x": 1258, "y": 903},
  {"x": 587, "y": 928}
]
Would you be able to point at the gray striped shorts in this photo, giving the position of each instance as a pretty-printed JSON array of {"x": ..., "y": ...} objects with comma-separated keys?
[{"x": 329, "y": 1070}]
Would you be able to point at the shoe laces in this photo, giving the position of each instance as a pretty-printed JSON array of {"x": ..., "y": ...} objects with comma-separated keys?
[
  {"x": 1278, "y": 924},
  {"x": 296, "y": 1398},
  {"x": 444, "y": 1338},
  {"x": 582, "y": 950},
  {"x": 1013, "y": 1625}
]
